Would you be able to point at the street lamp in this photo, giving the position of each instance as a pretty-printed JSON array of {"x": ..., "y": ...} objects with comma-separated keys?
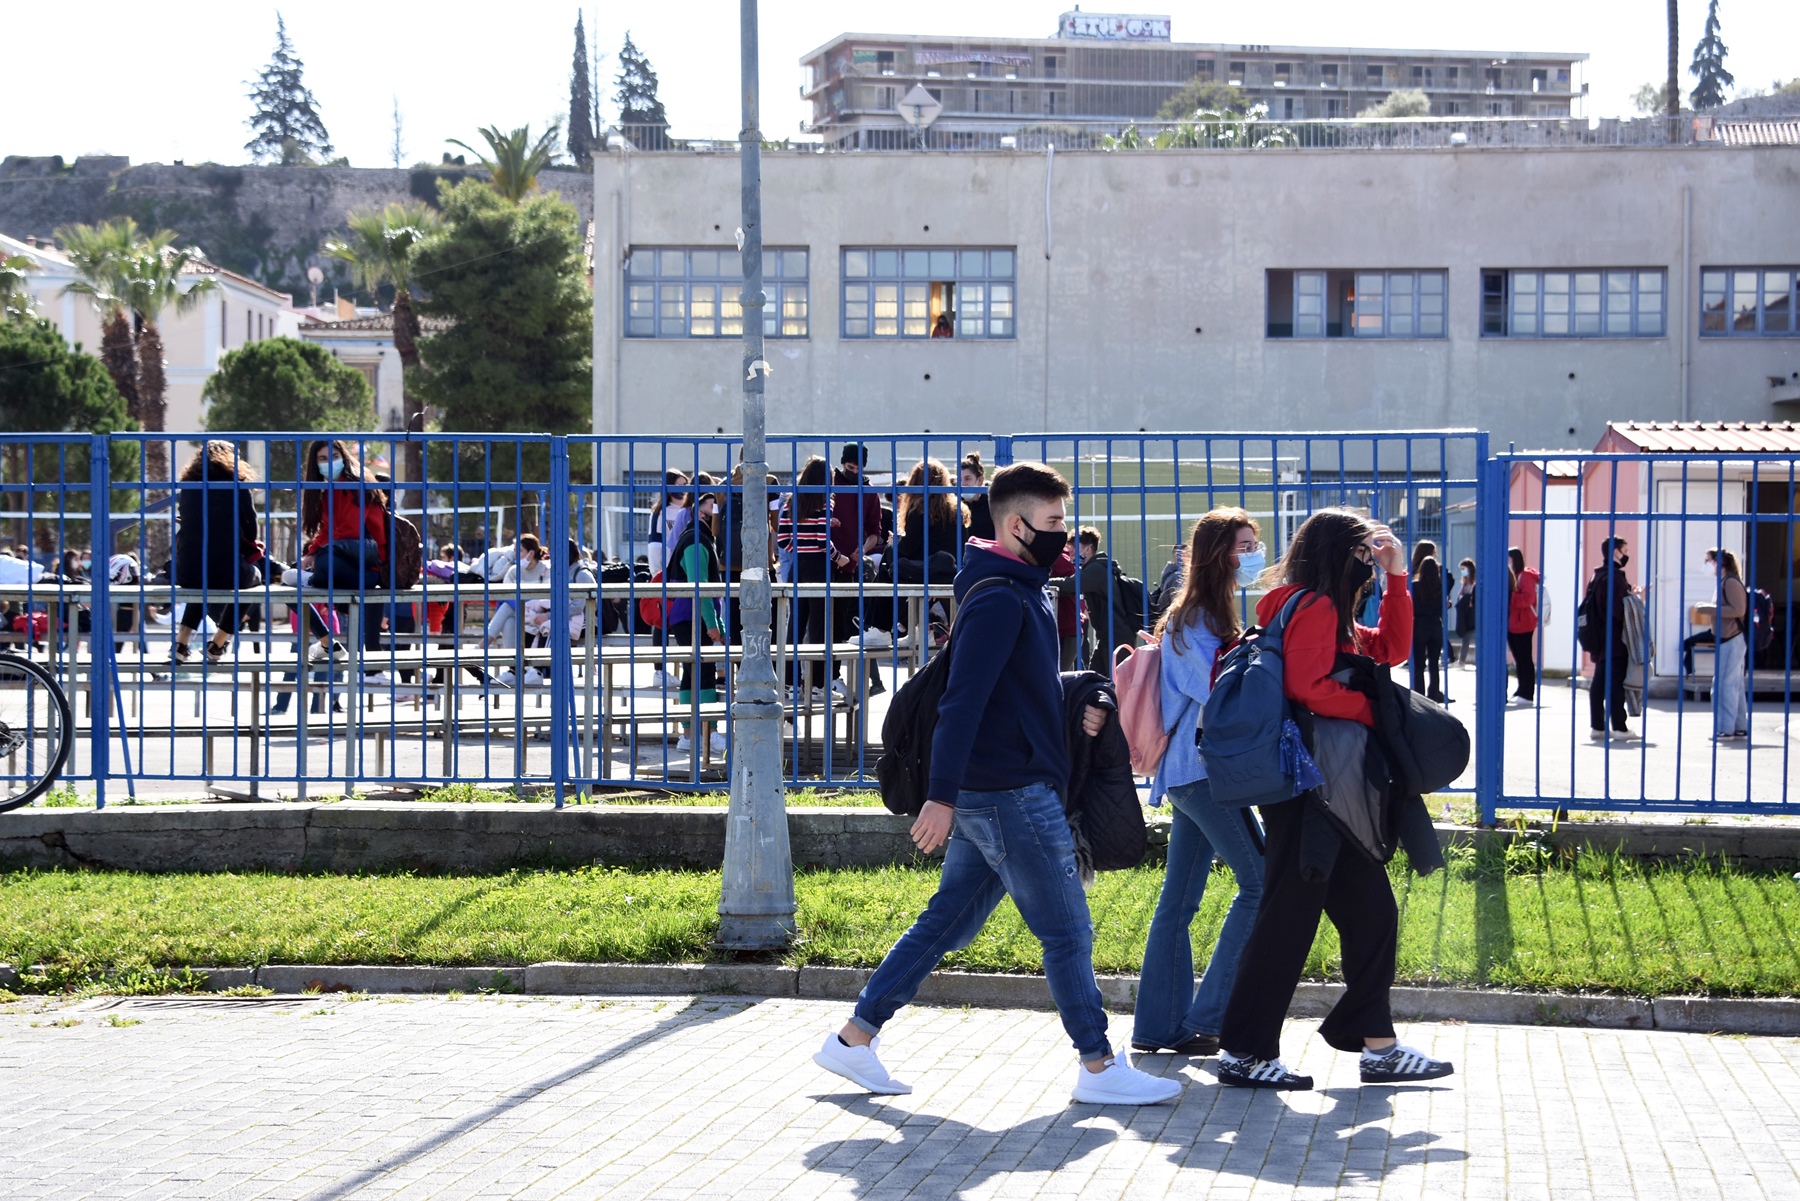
[{"x": 756, "y": 904}]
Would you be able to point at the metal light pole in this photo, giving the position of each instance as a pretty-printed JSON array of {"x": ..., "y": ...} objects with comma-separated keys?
[{"x": 756, "y": 907}]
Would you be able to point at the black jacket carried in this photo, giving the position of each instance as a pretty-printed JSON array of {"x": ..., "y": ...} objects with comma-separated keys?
[
  {"x": 1105, "y": 815},
  {"x": 1415, "y": 747},
  {"x": 215, "y": 532}
]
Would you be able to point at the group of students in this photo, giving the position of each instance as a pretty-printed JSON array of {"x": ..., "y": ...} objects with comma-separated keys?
[{"x": 1000, "y": 763}]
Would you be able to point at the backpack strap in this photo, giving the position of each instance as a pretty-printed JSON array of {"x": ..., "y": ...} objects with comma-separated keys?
[{"x": 1274, "y": 631}]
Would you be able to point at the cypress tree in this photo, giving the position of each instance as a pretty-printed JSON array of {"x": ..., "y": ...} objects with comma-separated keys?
[
  {"x": 1709, "y": 65},
  {"x": 581, "y": 102},
  {"x": 638, "y": 103},
  {"x": 286, "y": 121}
]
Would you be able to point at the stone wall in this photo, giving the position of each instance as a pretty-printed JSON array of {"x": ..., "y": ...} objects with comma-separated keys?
[{"x": 264, "y": 222}]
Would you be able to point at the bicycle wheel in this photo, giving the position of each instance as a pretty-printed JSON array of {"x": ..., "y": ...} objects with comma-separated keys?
[{"x": 34, "y": 731}]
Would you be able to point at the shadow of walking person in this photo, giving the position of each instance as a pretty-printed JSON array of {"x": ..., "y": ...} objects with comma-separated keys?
[{"x": 942, "y": 1157}]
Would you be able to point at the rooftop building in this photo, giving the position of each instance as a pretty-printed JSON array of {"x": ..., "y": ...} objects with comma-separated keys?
[{"x": 1120, "y": 69}]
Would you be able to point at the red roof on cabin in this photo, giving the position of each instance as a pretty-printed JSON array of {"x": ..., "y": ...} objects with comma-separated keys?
[{"x": 1702, "y": 437}]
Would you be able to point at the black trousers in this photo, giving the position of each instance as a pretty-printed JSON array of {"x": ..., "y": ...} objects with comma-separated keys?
[
  {"x": 1608, "y": 685},
  {"x": 1428, "y": 661},
  {"x": 1526, "y": 663},
  {"x": 1359, "y": 901}
]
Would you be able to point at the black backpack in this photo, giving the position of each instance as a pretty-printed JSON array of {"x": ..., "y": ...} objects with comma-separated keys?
[
  {"x": 613, "y": 616},
  {"x": 1590, "y": 618},
  {"x": 1131, "y": 601},
  {"x": 904, "y": 768},
  {"x": 1762, "y": 612}
]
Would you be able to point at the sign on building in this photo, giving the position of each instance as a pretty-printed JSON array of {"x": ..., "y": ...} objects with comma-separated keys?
[{"x": 1113, "y": 27}]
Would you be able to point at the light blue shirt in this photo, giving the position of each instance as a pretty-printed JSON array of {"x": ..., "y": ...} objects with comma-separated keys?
[{"x": 1186, "y": 683}]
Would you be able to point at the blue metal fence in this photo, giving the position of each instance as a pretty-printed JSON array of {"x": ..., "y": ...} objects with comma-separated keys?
[
  {"x": 1639, "y": 721},
  {"x": 611, "y": 665}
]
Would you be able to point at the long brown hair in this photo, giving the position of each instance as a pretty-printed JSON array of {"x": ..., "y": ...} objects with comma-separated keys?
[
  {"x": 312, "y": 500},
  {"x": 217, "y": 461},
  {"x": 945, "y": 509},
  {"x": 1209, "y": 583},
  {"x": 812, "y": 476},
  {"x": 1319, "y": 557}
]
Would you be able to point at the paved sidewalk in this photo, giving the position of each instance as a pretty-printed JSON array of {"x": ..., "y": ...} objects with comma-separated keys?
[{"x": 412, "y": 1097}]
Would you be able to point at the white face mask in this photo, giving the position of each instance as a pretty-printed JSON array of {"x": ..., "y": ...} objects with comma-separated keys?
[{"x": 1250, "y": 566}]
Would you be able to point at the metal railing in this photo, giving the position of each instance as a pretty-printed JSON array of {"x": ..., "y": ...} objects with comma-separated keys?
[
  {"x": 599, "y": 670},
  {"x": 1264, "y": 132},
  {"x": 1649, "y": 677}
]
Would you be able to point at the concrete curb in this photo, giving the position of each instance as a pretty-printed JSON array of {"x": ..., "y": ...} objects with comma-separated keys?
[{"x": 1777, "y": 1016}]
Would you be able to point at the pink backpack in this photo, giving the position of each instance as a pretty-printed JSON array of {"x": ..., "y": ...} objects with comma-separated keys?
[{"x": 1137, "y": 682}]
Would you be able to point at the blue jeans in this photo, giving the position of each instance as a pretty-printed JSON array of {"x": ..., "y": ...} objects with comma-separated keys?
[
  {"x": 1016, "y": 844},
  {"x": 349, "y": 565},
  {"x": 1168, "y": 1007}
]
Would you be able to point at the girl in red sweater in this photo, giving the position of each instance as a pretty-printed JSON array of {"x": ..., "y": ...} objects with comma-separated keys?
[
  {"x": 1334, "y": 555},
  {"x": 344, "y": 523}
]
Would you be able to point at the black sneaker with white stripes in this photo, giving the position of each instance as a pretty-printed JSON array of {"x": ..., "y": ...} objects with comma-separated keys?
[
  {"x": 1241, "y": 1071},
  {"x": 1400, "y": 1064}
]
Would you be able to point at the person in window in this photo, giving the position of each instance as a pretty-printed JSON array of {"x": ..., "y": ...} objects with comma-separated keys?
[
  {"x": 933, "y": 525},
  {"x": 215, "y": 542},
  {"x": 945, "y": 325}
]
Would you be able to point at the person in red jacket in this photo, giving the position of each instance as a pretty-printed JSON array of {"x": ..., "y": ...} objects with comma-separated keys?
[
  {"x": 345, "y": 523},
  {"x": 1522, "y": 623},
  {"x": 1333, "y": 556}
]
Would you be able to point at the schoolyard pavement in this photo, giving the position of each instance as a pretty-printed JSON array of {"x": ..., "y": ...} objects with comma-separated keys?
[{"x": 325, "y": 1097}]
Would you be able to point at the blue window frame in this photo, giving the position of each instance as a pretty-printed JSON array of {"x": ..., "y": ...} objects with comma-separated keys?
[
  {"x": 924, "y": 291},
  {"x": 1357, "y": 304},
  {"x": 1749, "y": 302},
  {"x": 1620, "y": 302},
  {"x": 692, "y": 292}
]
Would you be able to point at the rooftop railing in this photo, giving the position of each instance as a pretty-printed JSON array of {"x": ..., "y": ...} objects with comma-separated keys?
[{"x": 1231, "y": 132}]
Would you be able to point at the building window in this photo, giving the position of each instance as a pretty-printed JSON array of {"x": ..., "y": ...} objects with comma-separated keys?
[
  {"x": 1287, "y": 108},
  {"x": 1539, "y": 79},
  {"x": 1331, "y": 110},
  {"x": 1234, "y": 75},
  {"x": 1052, "y": 102},
  {"x": 1622, "y": 303},
  {"x": 1372, "y": 75},
  {"x": 1328, "y": 75},
  {"x": 1453, "y": 108},
  {"x": 1451, "y": 76},
  {"x": 921, "y": 292},
  {"x": 1749, "y": 301},
  {"x": 692, "y": 292},
  {"x": 1493, "y": 78},
  {"x": 1357, "y": 304},
  {"x": 1049, "y": 66},
  {"x": 884, "y": 61},
  {"x": 1284, "y": 74},
  {"x": 1498, "y": 108},
  {"x": 1203, "y": 70}
]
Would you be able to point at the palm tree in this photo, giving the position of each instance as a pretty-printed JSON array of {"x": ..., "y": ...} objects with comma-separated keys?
[
  {"x": 98, "y": 253},
  {"x": 1673, "y": 87},
  {"x": 15, "y": 301},
  {"x": 517, "y": 159},
  {"x": 380, "y": 250}
]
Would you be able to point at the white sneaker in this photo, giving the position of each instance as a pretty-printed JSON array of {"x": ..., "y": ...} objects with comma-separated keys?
[
  {"x": 858, "y": 1065},
  {"x": 874, "y": 639},
  {"x": 667, "y": 681},
  {"x": 377, "y": 679},
  {"x": 1121, "y": 1084},
  {"x": 684, "y": 743},
  {"x": 839, "y": 690},
  {"x": 293, "y": 577},
  {"x": 720, "y": 743},
  {"x": 506, "y": 677},
  {"x": 534, "y": 678}
]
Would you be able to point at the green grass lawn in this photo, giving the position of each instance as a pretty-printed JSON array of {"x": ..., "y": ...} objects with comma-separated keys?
[{"x": 1515, "y": 921}]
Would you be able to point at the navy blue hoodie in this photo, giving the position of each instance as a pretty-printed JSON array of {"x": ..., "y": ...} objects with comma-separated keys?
[{"x": 1000, "y": 723}]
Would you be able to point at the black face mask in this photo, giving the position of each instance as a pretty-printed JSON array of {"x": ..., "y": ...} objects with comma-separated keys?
[
  {"x": 1624, "y": 559},
  {"x": 1044, "y": 546},
  {"x": 1360, "y": 573}
]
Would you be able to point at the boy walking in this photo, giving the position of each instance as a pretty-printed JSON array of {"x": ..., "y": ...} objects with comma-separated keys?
[{"x": 999, "y": 764}]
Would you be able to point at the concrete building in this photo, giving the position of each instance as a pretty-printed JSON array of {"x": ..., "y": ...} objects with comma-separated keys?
[
  {"x": 1112, "y": 69},
  {"x": 1537, "y": 294},
  {"x": 238, "y": 312}
]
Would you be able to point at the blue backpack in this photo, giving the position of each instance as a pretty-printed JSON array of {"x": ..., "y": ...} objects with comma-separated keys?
[{"x": 1246, "y": 719}]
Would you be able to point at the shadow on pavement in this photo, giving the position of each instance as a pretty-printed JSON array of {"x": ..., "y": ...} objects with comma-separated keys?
[{"x": 697, "y": 1011}]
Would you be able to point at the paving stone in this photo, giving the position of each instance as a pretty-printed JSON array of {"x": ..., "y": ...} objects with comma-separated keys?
[{"x": 716, "y": 1096}]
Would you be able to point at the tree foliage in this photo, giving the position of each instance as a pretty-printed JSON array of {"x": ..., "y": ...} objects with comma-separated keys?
[
  {"x": 1203, "y": 95},
  {"x": 1708, "y": 66},
  {"x": 582, "y": 115},
  {"x": 1648, "y": 99},
  {"x": 516, "y": 159},
  {"x": 281, "y": 385},
  {"x": 1406, "y": 102},
  {"x": 509, "y": 277},
  {"x": 286, "y": 122},
  {"x": 636, "y": 97},
  {"x": 15, "y": 301}
]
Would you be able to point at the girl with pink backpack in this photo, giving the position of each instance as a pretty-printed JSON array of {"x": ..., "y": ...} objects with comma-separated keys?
[{"x": 1224, "y": 555}]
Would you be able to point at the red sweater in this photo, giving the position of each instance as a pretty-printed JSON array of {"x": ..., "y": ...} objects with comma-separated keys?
[
  {"x": 1310, "y": 647},
  {"x": 1521, "y": 608},
  {"x": 351, "y": 515}
]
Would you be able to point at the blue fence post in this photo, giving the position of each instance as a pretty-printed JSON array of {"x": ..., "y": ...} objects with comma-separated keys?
[
  {"x": 562, "y": 692},
  {"x": 1003, "y": 450},
  {"x": 101, "y": 686},
  {"x": 1490, "y": 623}
]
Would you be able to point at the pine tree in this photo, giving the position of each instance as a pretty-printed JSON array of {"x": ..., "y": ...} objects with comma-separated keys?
[
  {"x": 286, "y": 121},
  {"x": 581, "y": 102},
  {"x": 1709, "y": 65},
  {"x": 638, "y": 105}
]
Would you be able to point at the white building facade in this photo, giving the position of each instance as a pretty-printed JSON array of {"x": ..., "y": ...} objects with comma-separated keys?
[{"x": 1533, "y": 293}]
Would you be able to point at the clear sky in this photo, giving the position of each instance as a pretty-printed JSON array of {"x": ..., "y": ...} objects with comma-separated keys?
[{"x": 160, "y": 82}]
